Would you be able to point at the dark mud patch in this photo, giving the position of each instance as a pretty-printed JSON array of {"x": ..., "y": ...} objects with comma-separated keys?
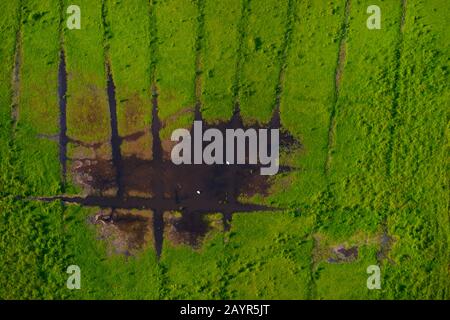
[
  {"x": 190, "y": 229},
  {"x": 115, "y": 138},
  {"x": 324, "y": 251},
  {"x": 341, "y": 254},
  {"x": 96, "y": 177},
  {"x": 62, "y": 91},
  {"x": 125, "y": 232}
]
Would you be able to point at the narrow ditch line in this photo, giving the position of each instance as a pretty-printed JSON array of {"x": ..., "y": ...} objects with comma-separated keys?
[
  {"x": 156, "y": 128},
  {"x": 396, "y": 88},
  {"x": 236, "y": 120},
  {"x": 13, "y": 156},
  {"x": 15, "y": 78},
  {"x": 153, "y": 42},
  {"x": 312, "y": 285},
  {"x": 158, "y": 231},
  {"x": 62, "y": 93},
  {"x": 311, "y": 292},
  {"x": 166, "y": 204},
  {"x": 227, "y": 215},
  {"x": 199, "y": 45},
  {"x": 385, "y": 247},
  {"x": 157, "y": 150},
  {"x": 385, "y": 244},
  {"x": 63, "y": 140},
  {"x": 337, "y": 85},
  {"x": 232, "y": 192},
  {"x": 284, "y": 54},
  {"x": 242, "y": 27},
  {"x": 158, "y": 186},
  {"x": 116, "y": 140},
  {"x": 402, "y": 25}
]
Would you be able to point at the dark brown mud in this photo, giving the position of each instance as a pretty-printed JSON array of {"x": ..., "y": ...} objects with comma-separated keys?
[
  {"x": 347, "y": 254},
  {"x": 125, "y": 232},
  {"x": 340, "y": 254},
  {"x": 179, "y": 227},
  {"x": 158, "y": 159},
  {"x": 62, "y": 90}
]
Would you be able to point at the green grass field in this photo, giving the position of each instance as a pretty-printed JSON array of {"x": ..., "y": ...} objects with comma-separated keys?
[{"x": 369, "y": 108}]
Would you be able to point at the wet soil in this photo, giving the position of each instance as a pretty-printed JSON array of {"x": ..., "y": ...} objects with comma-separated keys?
[{"x": 126, "y": 232}]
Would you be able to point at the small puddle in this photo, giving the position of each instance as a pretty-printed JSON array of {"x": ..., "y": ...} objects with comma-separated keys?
[{"x": 341, "y": 254}]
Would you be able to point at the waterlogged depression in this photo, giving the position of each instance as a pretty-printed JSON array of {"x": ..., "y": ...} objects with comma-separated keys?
[{"x": 175, "y": 201}]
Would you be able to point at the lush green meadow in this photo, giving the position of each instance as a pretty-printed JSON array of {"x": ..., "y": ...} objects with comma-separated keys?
[
  {"x": 262, "y": 57},
  {"x": 175, "y": 55},
  {"x": 131, "y": 72},
  {"x": 369, "y": 108},
  {"x": 221, "y": 47},
  {"x": 87, "y": 107},
  {"x": 32, "y": 237}
]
